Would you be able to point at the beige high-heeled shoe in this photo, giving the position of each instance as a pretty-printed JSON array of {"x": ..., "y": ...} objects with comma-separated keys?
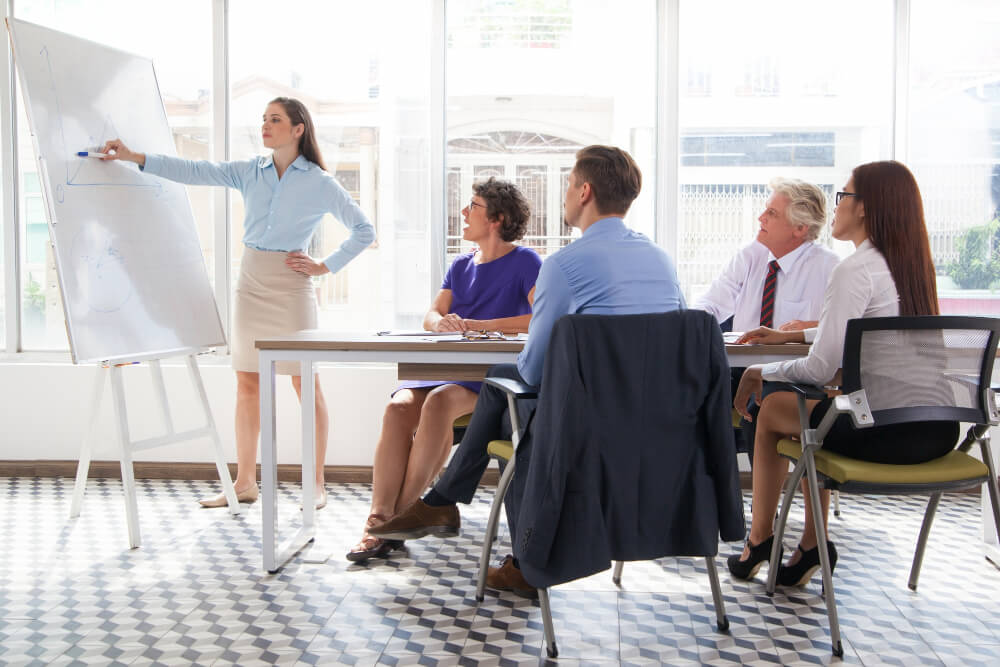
[
  {"x": 320, "y": 499},
  {"x": 247, "y": 495}
]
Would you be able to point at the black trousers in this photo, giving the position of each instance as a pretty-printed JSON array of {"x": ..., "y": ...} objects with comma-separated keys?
[{"x": 490, "y": 421}]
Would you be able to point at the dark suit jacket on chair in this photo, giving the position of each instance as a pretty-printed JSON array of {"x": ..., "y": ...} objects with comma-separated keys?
[{"x": 630, "y": 453}]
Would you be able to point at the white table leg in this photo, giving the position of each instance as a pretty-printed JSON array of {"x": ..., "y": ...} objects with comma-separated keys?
[
  {"x": 318, "y": 553},
  {"x": 308, "y": 445},
  {"x": 269, "y": 466},
  {"x": 268, "y": 462}
]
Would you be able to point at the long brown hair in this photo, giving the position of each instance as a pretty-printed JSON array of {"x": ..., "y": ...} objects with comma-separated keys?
[
  {"x": 894, "y": 221},
  {"x": 297, "y": 113}
]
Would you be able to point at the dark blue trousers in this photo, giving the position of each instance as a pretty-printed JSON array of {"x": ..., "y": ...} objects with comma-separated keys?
[{"x": 490, "y": 421}]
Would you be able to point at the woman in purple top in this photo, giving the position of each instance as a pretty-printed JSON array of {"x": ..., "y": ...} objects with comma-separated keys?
[{"x": 489, "y": 289}]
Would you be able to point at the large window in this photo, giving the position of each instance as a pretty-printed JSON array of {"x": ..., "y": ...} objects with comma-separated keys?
[
  {"x": 530, "y": 83},
  {"x": 182, "y": 70},
  {"x": 3, "y": 289},
  {"x": 954, "y": 146},
  {"x": 784, "y": 88},
  {"x": 362, "y": 69},
  {"x": 781, "y": 91}
]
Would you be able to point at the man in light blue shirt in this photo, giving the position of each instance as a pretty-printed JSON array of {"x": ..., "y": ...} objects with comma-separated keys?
[{"x": 609, "y": 270}]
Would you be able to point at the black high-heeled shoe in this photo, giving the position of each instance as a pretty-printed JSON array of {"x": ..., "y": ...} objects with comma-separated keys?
[
  {"x": 759, "y": 554},
  {"x": 803, "y": 570}
]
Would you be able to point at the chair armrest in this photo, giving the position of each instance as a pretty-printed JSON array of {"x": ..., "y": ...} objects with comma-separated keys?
[
  {"x": 513, "y": 388},
  {"x": 807, "y": 390},
  {"x": 854, "y": 404}
]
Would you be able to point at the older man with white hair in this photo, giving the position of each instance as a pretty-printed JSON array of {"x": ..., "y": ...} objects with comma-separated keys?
[{"x": 779, "y": 279}]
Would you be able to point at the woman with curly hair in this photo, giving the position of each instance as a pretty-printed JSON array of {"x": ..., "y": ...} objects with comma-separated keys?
[{"x": 490, "y": 288}]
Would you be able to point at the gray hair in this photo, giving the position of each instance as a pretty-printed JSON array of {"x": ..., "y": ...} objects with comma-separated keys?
[{"x": 806, "y": 204}]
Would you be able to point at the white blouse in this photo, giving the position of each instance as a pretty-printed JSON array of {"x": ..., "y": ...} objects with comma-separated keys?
[{"x": 860, "y": 286}]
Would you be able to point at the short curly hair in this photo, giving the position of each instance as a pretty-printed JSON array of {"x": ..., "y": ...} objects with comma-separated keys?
[{"x": 504, "y": 202}]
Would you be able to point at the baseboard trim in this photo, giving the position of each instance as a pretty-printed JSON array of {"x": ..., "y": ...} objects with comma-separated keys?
[{"x": 287, "y": 472}]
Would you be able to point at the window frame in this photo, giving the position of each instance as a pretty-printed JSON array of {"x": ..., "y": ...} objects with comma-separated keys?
[{"x": 667, "y": 146}]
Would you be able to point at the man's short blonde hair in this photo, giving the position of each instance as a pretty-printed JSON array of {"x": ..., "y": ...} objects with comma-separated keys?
[{"x": 806, "y": 204}]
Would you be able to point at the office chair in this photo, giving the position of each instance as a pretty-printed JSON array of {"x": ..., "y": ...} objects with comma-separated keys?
[
  {"x": 589, "y": 325},
  {"x": 896, "y": 370},
  {"x": 458, "y": 427}
]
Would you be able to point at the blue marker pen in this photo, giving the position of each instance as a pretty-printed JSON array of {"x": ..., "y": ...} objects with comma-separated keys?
[{"x": 91, "y": 154}]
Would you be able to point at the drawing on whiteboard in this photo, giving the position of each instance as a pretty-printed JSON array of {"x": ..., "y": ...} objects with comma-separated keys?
[
  {"x": 103, "y": 281},
  {"x": 92, "y": 173}
]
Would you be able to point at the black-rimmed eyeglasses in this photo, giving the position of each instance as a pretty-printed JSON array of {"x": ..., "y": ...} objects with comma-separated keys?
[{"x": 841, "y": 195}]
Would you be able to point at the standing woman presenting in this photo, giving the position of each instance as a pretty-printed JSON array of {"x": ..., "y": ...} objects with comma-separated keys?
[{"x": 286, "y": 196}]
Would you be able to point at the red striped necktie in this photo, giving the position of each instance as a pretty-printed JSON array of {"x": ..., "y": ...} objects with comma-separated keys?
[{"x": 770, "y": 289}]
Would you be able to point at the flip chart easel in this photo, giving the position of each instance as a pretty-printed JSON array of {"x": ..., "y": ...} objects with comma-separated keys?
[
  {"x": 128, "y": 446},
  {"x": 131, "y": 272}
]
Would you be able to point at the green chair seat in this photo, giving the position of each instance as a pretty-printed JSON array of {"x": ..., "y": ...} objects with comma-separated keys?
[
  {"x": 501, "y": 449},
  {"x": 736, "y": 418},
  {"x": 462, "y": 421},
  {"x": 955, "y": 466}
]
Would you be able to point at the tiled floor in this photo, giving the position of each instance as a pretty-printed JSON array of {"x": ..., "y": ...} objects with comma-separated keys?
[{"x": 72, "y": 593}]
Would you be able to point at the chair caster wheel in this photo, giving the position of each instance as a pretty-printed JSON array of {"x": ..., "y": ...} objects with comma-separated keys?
[
  {"x": 552, "y": 651},
  {"x": 723, "y": 625},
  {"x": 274, "y": 571},
  {"x": 480, "y": 598},
  {"x": 617, "y": 581},
  {"x": 912, "y": 587},
  {"x": 838, "y": 650}
]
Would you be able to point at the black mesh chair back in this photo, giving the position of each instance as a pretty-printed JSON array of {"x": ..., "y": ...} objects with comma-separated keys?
[{"x": 923, "y": 368}]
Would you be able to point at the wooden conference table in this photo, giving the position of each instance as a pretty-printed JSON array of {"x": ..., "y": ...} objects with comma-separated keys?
[{"x": 417, "y": 358}]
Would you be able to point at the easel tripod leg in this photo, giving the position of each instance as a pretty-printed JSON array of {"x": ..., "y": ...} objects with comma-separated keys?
[
  {"x": 220, "y": 458},
  {"x": 83, "y": 466},
  {"x": 128, "y": 476}
]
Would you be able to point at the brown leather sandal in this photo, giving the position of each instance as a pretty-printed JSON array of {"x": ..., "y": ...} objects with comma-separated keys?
[{"x": 371, "y": 546}]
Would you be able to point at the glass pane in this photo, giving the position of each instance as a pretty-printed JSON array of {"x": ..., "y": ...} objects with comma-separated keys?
[
  {"x": 530, "y": 83},
  {"x": 3, "y": 285},
  {"x": 763, "y": 96},
  {"x": 954, "y": 147},
  {"x": 363, "y": 70},
  {"x": 184, "y": 73}
]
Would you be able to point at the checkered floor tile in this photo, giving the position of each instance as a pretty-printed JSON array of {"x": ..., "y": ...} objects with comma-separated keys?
[{"x": 72, "y": 593}]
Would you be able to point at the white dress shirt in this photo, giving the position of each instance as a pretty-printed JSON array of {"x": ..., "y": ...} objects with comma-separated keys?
[
  {"x": 860, "y": 286},
  {"x": 802, "y": 278}
]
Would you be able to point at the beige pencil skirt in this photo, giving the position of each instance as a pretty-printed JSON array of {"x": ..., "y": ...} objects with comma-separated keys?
[{"x": 271, "y": 300}]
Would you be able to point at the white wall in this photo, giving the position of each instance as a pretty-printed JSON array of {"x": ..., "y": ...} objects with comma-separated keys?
[
  {"x": 45, "y": 401},
  {"x": 44, "y": 407}
]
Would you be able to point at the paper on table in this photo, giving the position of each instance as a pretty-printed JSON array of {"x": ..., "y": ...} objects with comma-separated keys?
[
  {"x": 731, "y": 336},
  {"x": 411, "y": 332}
]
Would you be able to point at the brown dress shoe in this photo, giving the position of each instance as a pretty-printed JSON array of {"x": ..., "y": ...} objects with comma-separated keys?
[
  {"x": 420, "y": 519},
  {"x": 508, "y": 577},
  {"x": 247, "y": 495},
  {"x": 371, "y": 546}
]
